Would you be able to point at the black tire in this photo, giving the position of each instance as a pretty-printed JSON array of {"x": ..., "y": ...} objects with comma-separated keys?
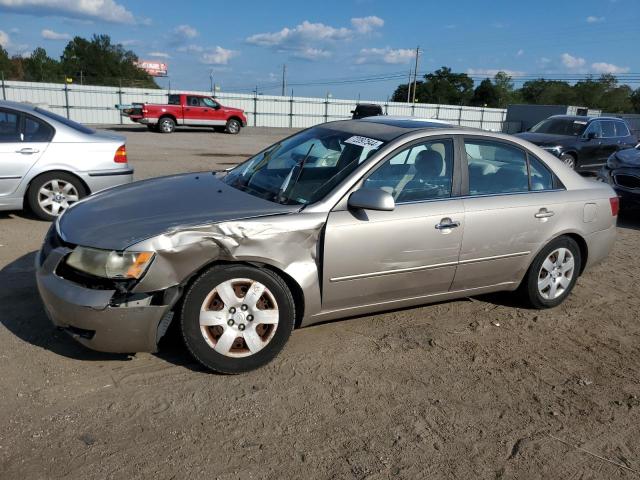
[
  {"x": 34, "y": 196},
  {"x": 193, "y": 336},
  {"x": 166, "y": 125},
  {"x": 233, "y": 126},
  {"x": 529, "y": 287}
]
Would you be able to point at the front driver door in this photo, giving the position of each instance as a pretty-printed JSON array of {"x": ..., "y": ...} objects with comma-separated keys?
[{"x": 377, "y": 257}]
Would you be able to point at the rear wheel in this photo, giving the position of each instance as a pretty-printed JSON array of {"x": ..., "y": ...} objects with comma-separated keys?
[
  {"x": 553, "y": 274},
  {"x": 233, "y": 126},
  {"x": 52, "y": 193},
  {"x": 569, "y": 160},
  {"x": 237, "y": 318},
  {"x": 166, "y": 125}
]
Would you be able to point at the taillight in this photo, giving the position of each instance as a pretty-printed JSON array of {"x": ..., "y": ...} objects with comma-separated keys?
[
  {"x": 615, "y": 205},
  {"x": 121, "y": 155}
]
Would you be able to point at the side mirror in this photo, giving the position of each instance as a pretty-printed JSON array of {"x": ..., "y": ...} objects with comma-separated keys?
[
  {"x": 591, "y": 135},
  {"x": 371, "y": 199}
]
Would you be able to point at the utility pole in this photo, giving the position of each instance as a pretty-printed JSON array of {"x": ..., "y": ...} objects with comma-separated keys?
[
  {"x": 284, "y": 79},
  {"x": 213, "y": 92},
  {"x": 409, "y": 85},
  {"x": 415, "y": 74}
]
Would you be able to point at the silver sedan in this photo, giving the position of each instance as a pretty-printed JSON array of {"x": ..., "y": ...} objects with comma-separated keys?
[
  {"x": 343, "y": 219},
  {"x": 48, "y": 162}
]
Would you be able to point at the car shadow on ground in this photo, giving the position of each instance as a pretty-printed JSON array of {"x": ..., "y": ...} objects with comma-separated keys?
[
  {"x": 22, "y": 313},
  {"x": 629, "y": 219},
  {"x": 144, "y": 129}
]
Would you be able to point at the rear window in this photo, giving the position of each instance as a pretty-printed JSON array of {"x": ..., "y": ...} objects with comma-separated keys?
[
  {"x": 174, "y": 99},
  {"x": 65, "y": 121},
  {"x": 622, "y": 130}
]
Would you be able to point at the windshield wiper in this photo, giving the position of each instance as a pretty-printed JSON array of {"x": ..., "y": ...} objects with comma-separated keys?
[{"x": 288, "y": 185}]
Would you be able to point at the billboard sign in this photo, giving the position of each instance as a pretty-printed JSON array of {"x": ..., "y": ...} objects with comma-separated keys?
[{"x": 153, "y": 68}]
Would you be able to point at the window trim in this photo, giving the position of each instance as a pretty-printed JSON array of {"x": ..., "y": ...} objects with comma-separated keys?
[{"x": 455, "y": 175}]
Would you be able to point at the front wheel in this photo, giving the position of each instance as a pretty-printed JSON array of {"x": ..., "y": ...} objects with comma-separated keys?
[
  {"x": 553, "y": 274},
  {"x": 233, "y": 126},
  {"x": 569, "y": 160},
  {"x": 237, "y": 318}
]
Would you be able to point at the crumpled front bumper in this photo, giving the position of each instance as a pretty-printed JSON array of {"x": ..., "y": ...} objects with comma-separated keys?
[{"x": 93, "y": 318}]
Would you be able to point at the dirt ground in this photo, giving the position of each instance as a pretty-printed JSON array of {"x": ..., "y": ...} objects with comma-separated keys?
[{"x": 476, "y": 388}]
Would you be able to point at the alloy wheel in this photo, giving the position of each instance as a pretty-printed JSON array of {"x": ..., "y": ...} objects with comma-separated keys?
[
  {"x": 55, "y": 196},
  {"x": 239, "y": 317},
  {"x": 556, "y": 273}
]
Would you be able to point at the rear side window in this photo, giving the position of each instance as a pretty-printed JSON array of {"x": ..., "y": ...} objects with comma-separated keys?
[
  {"x": 35, "y": 130},
  {"x": 621, "y": 129},
  {"x": 174, "y": 100},
  {"x": 496, "y": 168},
  {"x": 9, "y": 126},
  {"x": 608, "y": 129},
  {"x": 540, "y": 176}
]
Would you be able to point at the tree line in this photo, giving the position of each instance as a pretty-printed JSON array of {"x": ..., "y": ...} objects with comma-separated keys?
[
  {"x": 96, "y": 62},
  {"x": 447, "y": 87}
]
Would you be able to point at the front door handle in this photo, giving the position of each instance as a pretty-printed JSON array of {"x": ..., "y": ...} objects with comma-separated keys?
[
  {"x": 544, "y": 213},
  {"x": 446, "y": 224},
  {"x": 27, "y": 151}
]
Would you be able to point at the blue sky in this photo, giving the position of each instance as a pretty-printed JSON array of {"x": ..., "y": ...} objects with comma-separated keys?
[{"x": 246, "y": 43}]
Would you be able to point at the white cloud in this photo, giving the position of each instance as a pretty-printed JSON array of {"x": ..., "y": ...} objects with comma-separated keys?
[
  {"x": 51, "y": 35},
  {"x": 386, "y": 55},
  {"x": 491, "y": 72},
  {"x": 129, "y": 43},
  {"x": 5, "y": 41},
  {"x": 100, "y": 10},
  {"x": 159, "y": 54},
  {"x": 191, "y": 49},
  {"x": 602, "y": 67},
  {"x": 367, "y": 24},
  {"x": 572, "y": 62},
  {"x": 312, "y": 40},
  {"x": 594, "y": 19},
  {"x": 217, "y": 55},
  {"x": 184, "y": 32},
  {"x": 519, "y": 53}
]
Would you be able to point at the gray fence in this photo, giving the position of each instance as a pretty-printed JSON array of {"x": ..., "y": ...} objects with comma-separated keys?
[{"x": 96, "y": 105}]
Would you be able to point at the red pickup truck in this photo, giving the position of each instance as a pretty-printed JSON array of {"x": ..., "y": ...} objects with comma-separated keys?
[{"x": 187, "y": 110}]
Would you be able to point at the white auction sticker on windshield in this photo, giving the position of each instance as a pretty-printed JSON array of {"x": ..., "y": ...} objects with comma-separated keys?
[{"x": 363, "y": 141}]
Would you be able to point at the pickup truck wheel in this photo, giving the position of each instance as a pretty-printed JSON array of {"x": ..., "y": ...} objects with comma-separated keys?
[
  {"x": 237, "y": 318},
  {"x": 233, "y": 126},
  {"x": 166, "y": 125}
]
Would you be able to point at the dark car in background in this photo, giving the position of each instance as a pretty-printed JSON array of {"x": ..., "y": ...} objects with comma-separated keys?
[
  {"x": 622, "y": 172},
  {"x": 364, "y": 110},
  {"x": 582, "y": 143}
]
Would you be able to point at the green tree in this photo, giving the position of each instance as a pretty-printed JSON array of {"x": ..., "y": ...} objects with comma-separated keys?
[
  {"x": 5, "y": 63},
  {"x": 504, "y": 87},
  {"x": 39, "y": 67},
  {"x": 547, "y": 92},
  {"x": 635, "y": 100},
  {"x": 445, "y": 87},
  {"x": 486, "y": 94},
  {"x": 103, "y": 63}
]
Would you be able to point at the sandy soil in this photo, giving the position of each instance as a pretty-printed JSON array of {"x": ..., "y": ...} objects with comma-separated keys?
[{"x": 476, "y": 388}]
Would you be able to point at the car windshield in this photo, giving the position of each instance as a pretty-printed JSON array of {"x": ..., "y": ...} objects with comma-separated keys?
[
  {"x": 303, "y": 168},
  {"x": 561, "y": 126},
  {"x": 65, "y": 121}
]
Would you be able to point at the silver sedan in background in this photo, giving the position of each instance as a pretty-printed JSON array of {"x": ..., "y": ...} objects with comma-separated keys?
[
  {"x": 48, "y": 162},
  {"x": 342, "y": 219}
]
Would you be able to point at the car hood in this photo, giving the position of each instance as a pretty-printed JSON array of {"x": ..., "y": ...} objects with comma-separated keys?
[
  {"x": 122, "y": 216},
  {"x": 625, "y": 158},
  {"x": 546, "y": 139}
]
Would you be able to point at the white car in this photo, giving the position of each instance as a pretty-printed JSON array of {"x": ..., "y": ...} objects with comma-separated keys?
[{"x": 48, "y": 162}]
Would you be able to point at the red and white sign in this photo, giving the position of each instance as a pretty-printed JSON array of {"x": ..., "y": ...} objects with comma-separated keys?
[{"x": 153, "y": 68}]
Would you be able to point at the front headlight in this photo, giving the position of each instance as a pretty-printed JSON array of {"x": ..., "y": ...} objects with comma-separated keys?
[
  {"x": 555, "y": 149},
  {"x": 110, "y": 264}
]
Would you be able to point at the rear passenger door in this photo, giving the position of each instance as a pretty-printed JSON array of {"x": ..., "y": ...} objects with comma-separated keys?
[{"x": 512, "y": 202}]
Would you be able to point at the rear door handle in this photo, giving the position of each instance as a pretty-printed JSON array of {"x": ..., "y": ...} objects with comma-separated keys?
[
  {"x": 446, "y": 224},
  {"x": 544, "y": 213},
  {"x": 27, "y": 151}
]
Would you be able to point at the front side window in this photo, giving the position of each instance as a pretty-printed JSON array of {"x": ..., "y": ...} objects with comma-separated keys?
[
  {"x": 595, "y": 128},
  {"x": 9, "y": 126},
  {"x": 496, "y": 168},
  {"x": 208, "y": 102},
  {"x": 303, "y": 168},
  {"x": 560, "y": 126},
  {"x": 420, "y": 172}
]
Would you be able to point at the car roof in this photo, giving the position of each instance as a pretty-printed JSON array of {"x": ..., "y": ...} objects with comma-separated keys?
[
  {"x": 584, "y": 118},
  {"x": 387, "y": 128},
  {"x": 25, "y": 107}
]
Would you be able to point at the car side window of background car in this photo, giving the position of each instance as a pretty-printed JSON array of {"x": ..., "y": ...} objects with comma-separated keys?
[
  {"x": 608, "y": 129},
  {"x": 621, "y": 129},
  {"x": 36, "y": 130},
  {"x": 540, "y": 176},
  {"x": 420, "y": 172},
  {"x": 9, "y": 127},
  {"x": 208, "y": 102},
  {"x": 496, "y": 168},
  {"x": 596, "y": 128}
]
